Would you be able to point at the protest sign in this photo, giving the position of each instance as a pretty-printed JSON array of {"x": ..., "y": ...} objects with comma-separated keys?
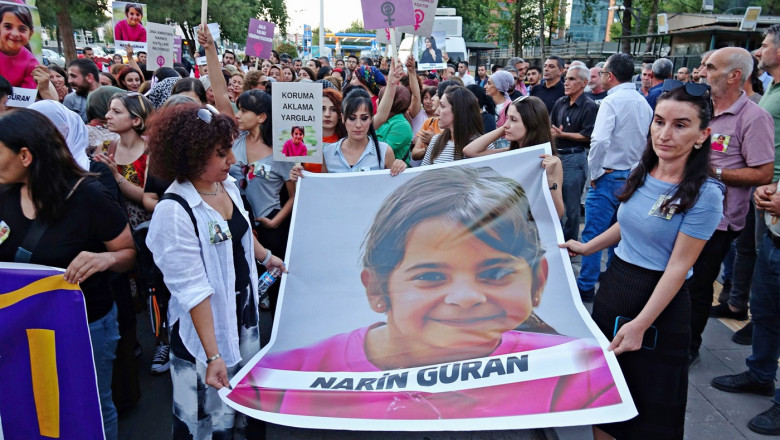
[
  {"x": 47, "y": 374},
  {"x": 260, "y": 40},
  {"x": 177, "y": 49},
  {"x": 19, "y": 57},
  {"x": 430, "y": 51},
  {"x": 387, "y": 13},
  {"x": 424, "y": 15},
  {"x": 297, "y": 122},
  {"x": 383, "y": 35},
  {"x": 129, "y": 25},
  {"x": 437, "y": 299},
  {"x": 160, "y": 44},
  {"x": 216, "y": 34}
]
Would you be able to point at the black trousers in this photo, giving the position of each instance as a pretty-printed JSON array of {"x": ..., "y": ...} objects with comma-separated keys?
[{"x": 705, "y": 272}]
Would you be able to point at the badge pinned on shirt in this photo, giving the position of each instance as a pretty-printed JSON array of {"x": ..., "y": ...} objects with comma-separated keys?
[
  {"x": 5, "y": 231},
  {"x": 363, "y": 169},
  {"x": 720, "y": 142},
  {"x": 218, "y": 232},
  {"x": 667, "y": 214}
]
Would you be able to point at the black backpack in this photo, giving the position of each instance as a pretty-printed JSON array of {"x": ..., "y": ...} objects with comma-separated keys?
[{"x": 151, "y": 278}]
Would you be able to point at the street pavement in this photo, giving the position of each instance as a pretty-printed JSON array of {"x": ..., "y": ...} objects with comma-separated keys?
[{"x": 711, "y": 414}]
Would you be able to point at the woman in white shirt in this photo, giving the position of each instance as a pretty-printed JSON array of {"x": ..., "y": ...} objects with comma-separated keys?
[{"x": 213, "y": 309}]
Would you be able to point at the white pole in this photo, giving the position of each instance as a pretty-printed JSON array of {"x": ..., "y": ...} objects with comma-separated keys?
[{"x": 322, "y": 27}]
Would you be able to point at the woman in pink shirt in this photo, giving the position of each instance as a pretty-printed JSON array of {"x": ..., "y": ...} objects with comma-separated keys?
[
  {"x": 295, "y": 147},
  {"x": 454, "y": 260},
  {"x": 131, "y": 28},
  {"x": 16, "y": 60}
]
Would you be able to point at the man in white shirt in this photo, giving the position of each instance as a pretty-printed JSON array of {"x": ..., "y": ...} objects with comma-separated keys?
[
  {"x": 618, "y": 140},
  {"x": 463, "y": 73}
]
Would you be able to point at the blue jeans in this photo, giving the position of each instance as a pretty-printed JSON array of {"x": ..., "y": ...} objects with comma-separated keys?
[
  {"x": 575, "y": 172},
  {"x": 104, "y": 334},
  {"x": 601, "y": 206},
  {"x": 765, "y": 307}
]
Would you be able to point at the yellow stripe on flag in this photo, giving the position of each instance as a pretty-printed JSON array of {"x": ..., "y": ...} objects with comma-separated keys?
[
  {"x": 54, "y": 282},
  {"x": 43, "y": 365}
]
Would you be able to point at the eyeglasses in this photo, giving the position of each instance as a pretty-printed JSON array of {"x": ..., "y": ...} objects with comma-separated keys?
[
  {"x": 691, "y": 88},
  {"x": 604, "y": 72},
  {"x": 140, "y": 99}
]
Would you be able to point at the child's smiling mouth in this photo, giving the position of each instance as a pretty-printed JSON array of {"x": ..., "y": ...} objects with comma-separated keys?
[{"x": 467, "y": 321}]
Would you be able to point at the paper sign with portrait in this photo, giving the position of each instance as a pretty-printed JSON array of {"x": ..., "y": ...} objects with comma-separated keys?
[
  {"x": 130, "y": 25},
  {"x": 20, "y": 56},
  {"x": 297, "y": 121},
  {"x": 429, "y": 50}
]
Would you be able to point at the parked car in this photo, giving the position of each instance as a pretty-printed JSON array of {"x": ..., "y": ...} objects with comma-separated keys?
[{"x": 53, "y": 57}]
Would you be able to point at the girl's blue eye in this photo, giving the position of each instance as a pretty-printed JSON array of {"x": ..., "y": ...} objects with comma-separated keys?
[{"x": 496, "y": 273}]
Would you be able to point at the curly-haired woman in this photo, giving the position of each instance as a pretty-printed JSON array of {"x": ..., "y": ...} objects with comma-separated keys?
[{"x": 213, "y": 308}]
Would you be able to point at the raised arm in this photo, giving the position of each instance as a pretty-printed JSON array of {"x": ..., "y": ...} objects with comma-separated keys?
[
  {"x": 414, "y": 85},
  {"x": 386, "y": 103},
  {"x": 218, "y": 84}
]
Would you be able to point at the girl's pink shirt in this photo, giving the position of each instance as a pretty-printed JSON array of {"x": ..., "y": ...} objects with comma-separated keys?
[
  {"x": 346, "y": 353},
  {"x": 17, "y": 69},
  {"x": 291, "y": 150},
  {"x": 125, "y": 32}
]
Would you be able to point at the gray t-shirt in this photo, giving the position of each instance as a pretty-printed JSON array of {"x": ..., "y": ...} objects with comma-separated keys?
[
  {"x": 265, "y": 178},
  {"x": 77, "y": 103}
]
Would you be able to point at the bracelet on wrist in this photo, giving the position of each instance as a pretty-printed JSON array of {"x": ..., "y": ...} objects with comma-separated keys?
[
  {"x": 267, "y": 258},
  {"x": 213, "y": 358}
]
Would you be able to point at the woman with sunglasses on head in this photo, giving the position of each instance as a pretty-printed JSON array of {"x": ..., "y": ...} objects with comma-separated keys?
[
  {"x": 264, "y": 182},
  {"x": 670, "y": 206},
  {"x": 527, "y": 124},
  {"x": 213, "y": 308},
  {"x": 127, "y": 115}
]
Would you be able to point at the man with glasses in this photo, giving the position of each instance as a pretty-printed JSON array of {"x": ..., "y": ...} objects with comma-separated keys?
[
  {"x": 521, "y": 66},
  {"x": 552, "y": 88},
  {"x": 742, "y": 157},
  {"x": 619, "y": 137},
  {"x": 573, "y": 117},
  {"x": 352, "y": 63},
  {"x": 683, "y": 74},
  {"x": 513, "y": 92},
  {"x": 661, "y": 71}
]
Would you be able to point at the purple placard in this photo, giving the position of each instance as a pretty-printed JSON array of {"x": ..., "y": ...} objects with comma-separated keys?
[
  {"x": 260, "y": 40},
  {"x": 59, "y": 309},
  {"x": 380, "y": 14},
  {"x": 177, "y": 49}
]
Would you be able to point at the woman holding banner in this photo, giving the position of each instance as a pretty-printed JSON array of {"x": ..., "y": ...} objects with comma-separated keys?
[
  {"x": 670, "y": 206},
  {"x": 79, "y": 226}
]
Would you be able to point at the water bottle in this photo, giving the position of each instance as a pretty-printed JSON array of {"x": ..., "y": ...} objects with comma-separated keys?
[{"x": 267, "y": 280}]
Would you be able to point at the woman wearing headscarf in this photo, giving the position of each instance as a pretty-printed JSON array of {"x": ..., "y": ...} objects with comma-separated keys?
[
  {"x": 97, "y": 107},
  {"x": 70, "y": 125},
  {"x": 497, "y": 87},
  {"x": 162, "y": 91},
  {"x": 372, "y": 80}
]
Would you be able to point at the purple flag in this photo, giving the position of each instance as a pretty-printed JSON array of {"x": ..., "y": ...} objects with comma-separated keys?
[
  {"x": 177, "y": 49},
  {"x": 379, "y": 14},
  {"x": 260, "y": 40},
  {"x": 47, "y": 373}
]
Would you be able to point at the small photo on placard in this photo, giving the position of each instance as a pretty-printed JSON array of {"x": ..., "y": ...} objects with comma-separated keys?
[
  {"x": 20, "y": 55},
  {"x": 295, "y": 139},
  {"x": 129, "y": 25},
  {"x": 430, "y": 51}
]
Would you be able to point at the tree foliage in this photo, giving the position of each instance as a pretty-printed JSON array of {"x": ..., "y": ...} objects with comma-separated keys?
[
  {"x": 356, "y": 27},
  {"x": 287, "y": 48},
  {"x": 478, "y": 18},
  {"x": 68, "y": 15}
]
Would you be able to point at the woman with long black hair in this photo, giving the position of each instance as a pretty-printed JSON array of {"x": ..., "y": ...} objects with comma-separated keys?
[
  {"x": 460, "y": 121},
  {"x": 670, "y": 206}
]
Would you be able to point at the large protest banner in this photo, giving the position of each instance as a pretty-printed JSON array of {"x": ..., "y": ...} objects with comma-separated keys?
[
  {"x": 47, "y": 373},
  {"x": 21, "y": 55},
  {"x": 434, "y": 300}
]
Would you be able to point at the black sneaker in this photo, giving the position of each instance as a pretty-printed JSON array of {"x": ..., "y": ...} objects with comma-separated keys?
[
  {"x": 744, "y": 336},
  {"x": 161, "y": 360},
  {"x": 724, "y": 311},
  {"x": 768, "y": 422},
  {"x": 744, "y": 383}
]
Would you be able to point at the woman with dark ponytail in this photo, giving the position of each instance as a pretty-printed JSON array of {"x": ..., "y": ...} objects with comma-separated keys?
[
  {"x": 669, "y": 208},
  {"x": 360, "y": 150}
]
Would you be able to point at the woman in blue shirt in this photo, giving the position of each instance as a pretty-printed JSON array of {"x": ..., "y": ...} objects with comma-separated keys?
[{"x": 670, "y": 208}]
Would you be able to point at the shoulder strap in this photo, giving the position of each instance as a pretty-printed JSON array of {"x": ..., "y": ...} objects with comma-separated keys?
[
  {"x": 185, "y": 205},
  {"x": 25, "y": 251}
]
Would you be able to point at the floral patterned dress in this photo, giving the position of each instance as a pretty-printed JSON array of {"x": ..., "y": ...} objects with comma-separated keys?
[{"x": 134, "y": 173}]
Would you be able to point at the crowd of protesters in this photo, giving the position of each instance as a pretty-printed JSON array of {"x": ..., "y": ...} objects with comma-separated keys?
[{"x": 679, "y": 175}]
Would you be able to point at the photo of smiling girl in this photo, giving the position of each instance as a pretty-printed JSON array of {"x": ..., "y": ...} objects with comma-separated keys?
[
  {"x": 453, "y": 263},
  {"x": 130, "y": 28},
  {"x": 295, "y": 147},
  {"x": 16, "y": 58}
]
